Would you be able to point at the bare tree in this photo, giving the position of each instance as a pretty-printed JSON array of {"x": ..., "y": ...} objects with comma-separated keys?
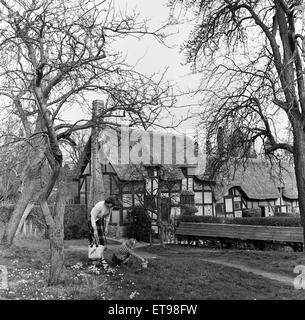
[
  {"x": 257, "y": 50},
  {"x": 52, "y": 53},
  {"x": 74, "y": 150}
]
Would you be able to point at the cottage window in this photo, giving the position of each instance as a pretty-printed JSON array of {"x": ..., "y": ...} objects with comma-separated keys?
[
  {"x": 198, "y": 198},
  {"x": 208, "y": 197},
  {"x": 229, "y": 205}
]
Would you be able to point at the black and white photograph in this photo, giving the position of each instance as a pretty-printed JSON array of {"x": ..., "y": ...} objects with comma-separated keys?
[{"x": 152, "y": 151}]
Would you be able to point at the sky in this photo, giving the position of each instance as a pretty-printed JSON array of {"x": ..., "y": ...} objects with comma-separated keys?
[{"x": 151, "y": 57}]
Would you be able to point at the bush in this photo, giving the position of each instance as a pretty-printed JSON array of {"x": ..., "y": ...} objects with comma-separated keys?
[
  {"x": 246, "y": 213},
  {"x": 140, "y": 226},
  {"x": 260, "y": 221},
  {"x": 75, "y": 223},
  {"x": 204, "y": 219},
  {"x": 269, "y": 221},
  {"x": 188, "y": 209},
  {"x": 6, "y": 212},
  {"x": 75, "y": 220}
]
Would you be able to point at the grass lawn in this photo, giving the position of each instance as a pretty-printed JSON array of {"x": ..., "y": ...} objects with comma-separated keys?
[
  {"x": 278, "y": 262},
  {"x": 176, "y": 273}
]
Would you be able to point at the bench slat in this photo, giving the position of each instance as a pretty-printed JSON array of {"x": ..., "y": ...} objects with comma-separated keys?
[{"x": 283, "y": 234}]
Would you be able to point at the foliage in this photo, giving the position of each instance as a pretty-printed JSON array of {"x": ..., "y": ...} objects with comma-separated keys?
[
  {"x": 269, "y": 221},
  {"x": 5, "y": 212},
  {"x": 75, "y": 220},
  {"x": 75, "y": 223},
  {"x": 188, "y": 209},
  {"x": 247, "y": 213},
  {"x": 140, "y": 227},
  {"x": 205, "y": 219}
]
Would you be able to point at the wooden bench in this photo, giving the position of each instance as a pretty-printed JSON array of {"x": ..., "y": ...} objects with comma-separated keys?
[{"x": 259, "y": 235}]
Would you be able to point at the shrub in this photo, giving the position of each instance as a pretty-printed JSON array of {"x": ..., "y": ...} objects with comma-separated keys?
[
  {"x": 75, "y": 220},
  {"x": 269, "y": 221},
  {"x": 205, "y": 219},
  {"x": 76, "y": 225},
  {"x": 188, "y": 209},
  {"x": 6, "y": 212},
  {"x": 140, "y": 226},
  {"x": 262, "y": 221},
  {"x": 246, "y": 213}
]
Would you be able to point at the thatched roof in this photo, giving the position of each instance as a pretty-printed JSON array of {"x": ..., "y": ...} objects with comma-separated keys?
[
  {"x": 258, "y": 180},
  {"x": 131, "y": 172},
  {"x": 160, "y": 148},
  {"x": 138, "y": 172}
]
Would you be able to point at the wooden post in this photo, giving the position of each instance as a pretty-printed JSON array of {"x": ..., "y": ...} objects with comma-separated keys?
[
  {"x": 96, "y": 189},
  {"x": 159, "y": 215}
]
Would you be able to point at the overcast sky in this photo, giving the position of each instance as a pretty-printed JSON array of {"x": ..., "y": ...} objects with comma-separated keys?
[{"x": 154, "y": 57}]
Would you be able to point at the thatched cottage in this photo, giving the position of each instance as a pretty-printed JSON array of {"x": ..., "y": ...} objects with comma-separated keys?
[{"x": 256, "y": 185}]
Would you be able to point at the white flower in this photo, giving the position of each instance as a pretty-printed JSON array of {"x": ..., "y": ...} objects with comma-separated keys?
[
  {"x": 77, "y": 265},
  {"x": 133, "y": 294}
]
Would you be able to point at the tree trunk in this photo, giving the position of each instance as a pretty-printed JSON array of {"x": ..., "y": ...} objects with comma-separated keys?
[
  {"x": 56, "y": 235},
  {"x": 299, "y": 162},
  {"x": 29, "y": 190},
  {"x": 55, "y": 223},
  {"x": 24, "y": 216}
]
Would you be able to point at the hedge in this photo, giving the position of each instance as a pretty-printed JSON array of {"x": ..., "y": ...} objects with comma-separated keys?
[
  {"x": 263, "y": 221},
  {"x": 140, "y": 226},
  {"x": 5, "y": 212},
  {"x": 188, "y": 209},
  {"x": 206, "y": 219},
  {"x": 75, "y": 220}
]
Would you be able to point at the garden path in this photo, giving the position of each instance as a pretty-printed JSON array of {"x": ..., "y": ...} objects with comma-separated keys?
[{"x": 268, "y": 275}]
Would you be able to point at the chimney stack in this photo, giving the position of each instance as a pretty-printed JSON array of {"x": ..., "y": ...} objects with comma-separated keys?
[{"x": 220, "y": 140}]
